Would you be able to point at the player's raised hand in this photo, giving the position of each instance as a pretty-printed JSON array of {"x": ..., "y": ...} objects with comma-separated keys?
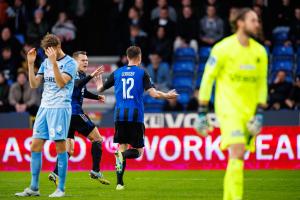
[
  {"x": 99, "y": 82},
  {"x": 98, "y": 71},
  {"x": 101, "y": 98},
  {"x": 31, "y": 56},
  {"x": 51, "y": 54},
  {"x": 172, "y": 94}
]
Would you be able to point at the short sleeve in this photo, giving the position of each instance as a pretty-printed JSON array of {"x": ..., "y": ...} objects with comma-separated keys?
[
  {"x": 109, "y": 81},
  {"x": 42, "y": 68},
  {"x": 70, "y": 68},
  {"x": 147, "y": 81}
]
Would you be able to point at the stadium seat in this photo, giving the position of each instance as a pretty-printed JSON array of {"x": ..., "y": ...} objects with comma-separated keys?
[
  {"x": 153, "y": 105},
  {"x": 268, "y": 50},
  {"x": 204, "y": 54},
  {"x": 201, "y": 68},
  {"x": 298, "y": 66},
  {"x": 283, "y": 51},
  {"x": 198, "y": 81},
  {"x": 20, "y": 38},
  {"x": 283, "y": 54},
  {"x": 181, "y": 82},
  {"x": 280, "y": 35},
  {"x": 285, "y": 65},
  {"x": 185, "y": 54},
  {"x": 184, "y": 67},
  {"x": 184, "y": 98}
]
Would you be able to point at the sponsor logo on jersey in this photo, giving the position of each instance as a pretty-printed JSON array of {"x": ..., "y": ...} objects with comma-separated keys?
[
  {"x": 236, "y": 133},
  {"x": 212, "y": 61},
  {"x": 247, "y": 67},
  {"x": 49, "y": 79}
]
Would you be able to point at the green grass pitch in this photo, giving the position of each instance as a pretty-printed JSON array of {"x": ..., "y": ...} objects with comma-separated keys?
[{"x": 194, "y": 185}]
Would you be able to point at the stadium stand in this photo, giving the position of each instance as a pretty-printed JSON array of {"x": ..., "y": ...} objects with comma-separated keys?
[{"x": 186, "y": 65}]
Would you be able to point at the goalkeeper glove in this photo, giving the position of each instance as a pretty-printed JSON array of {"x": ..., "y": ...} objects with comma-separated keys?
[
  {"x": 202, "y": 125},
  {"x": 254, "y": 126}
]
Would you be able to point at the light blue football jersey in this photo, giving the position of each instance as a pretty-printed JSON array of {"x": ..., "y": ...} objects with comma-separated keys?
[{"x": 53, "y": 96}]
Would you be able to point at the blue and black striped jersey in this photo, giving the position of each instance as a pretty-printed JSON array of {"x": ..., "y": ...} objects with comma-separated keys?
[
  {"x": 80, "y": 91},
  {"x": 130, "y": 83}
]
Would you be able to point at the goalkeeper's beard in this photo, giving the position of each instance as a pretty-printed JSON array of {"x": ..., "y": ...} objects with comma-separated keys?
[{"x": 250, "y": 34}]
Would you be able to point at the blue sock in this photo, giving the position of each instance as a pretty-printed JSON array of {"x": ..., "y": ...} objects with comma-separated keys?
[
  {"x": 35, "y": 167},
  {"x": 62, "y": 159}
]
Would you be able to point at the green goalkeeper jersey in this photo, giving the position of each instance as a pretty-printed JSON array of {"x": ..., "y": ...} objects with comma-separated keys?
[{"x": 240, "y": 74}]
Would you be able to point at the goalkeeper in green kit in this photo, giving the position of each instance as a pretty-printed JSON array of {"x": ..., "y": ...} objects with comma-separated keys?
[{"x": 238, "y": 67}]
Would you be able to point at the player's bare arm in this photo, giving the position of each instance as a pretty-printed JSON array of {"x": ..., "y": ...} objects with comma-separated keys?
[
  {"x": 34, "y": 80},
  {"x": 61, "y": 78},
  {"x": 162, "y": 95}
]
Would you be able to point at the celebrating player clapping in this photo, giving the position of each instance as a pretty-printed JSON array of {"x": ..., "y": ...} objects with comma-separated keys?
[{"x": 80, "y": 122}]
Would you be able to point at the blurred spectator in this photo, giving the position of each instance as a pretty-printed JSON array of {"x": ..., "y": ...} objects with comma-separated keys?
[
  {"x": 293, "y": 100},
  {"x": 228, "y": 23},
  {"x": 82, "y": 12},
  {"x": 193, "y": 104},
  {"x": 7, "y": 40},
  {"x": 46, "y": 8},
  {"x": 122, "y": 61},
  {"x": 162, "y": 44},
  {"x": 80, "y": 8},
  {"x": 214, "y": 3},
  {"x": 4, "y": 90},
  {"x": 66, "y": 31},
  {"x": 295, "y": 28},
  {"x": 37, "y": 29},
  {"x": 137, "y": 38},
  {"x": 8, "y": 64},
  {"x": 261, "y": 32},
  {"x": 18, "y": 16},
  {"x": 279, "y": 91},
  {"x": 38, "y": 61},
  {"x": 187, "y": 30},
  {"x": 172, "y": 105},
  {"x": 159, "y": 72},
  {"x": 211, "y": 27},
  {"x": 134, "y": 18},
  {"x": 186, "y": 3},
  {"x": 265, "y": 18},
  {"x": 22, "y": 97},
  {"x": 166, "y": 22},
  {"x": 284, "y": 14},
  {"x": 143, "y": 9},
  {"x": 117, "y": 20},
  {"x": 3, "y": 14},
  {"x": 155, "y": 13}
]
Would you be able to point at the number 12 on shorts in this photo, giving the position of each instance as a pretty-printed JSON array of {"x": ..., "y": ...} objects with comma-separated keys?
[{"x": 127, "y": 87}]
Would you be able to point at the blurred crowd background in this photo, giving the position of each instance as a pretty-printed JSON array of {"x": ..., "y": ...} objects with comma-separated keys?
[{"x": 176, "y": 37}]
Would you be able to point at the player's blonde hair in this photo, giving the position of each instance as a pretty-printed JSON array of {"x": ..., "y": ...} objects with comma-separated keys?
[
  {"x": 50, "y": 40},
  {"x": 239, "y": 15}
]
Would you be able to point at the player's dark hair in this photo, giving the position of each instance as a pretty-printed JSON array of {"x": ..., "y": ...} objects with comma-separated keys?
[
  {"x": 77, "y": 53},
  {"x": 133, "y": 52},
  {"x": 240, "y": 15},
  {"x": 50, "y": 40}
]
